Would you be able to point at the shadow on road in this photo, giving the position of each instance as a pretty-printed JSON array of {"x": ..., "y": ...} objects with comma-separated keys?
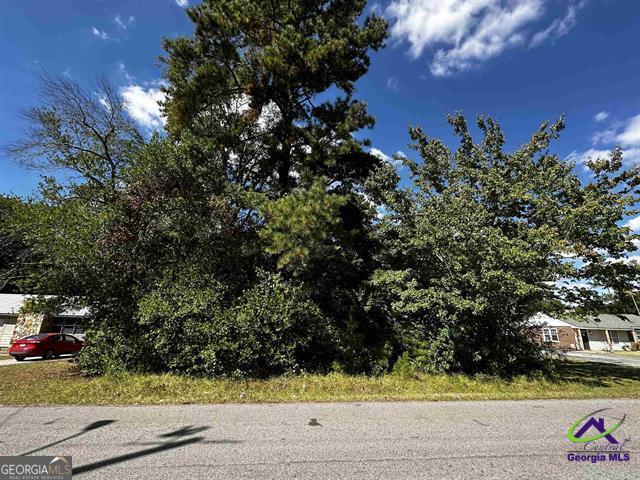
[
  {"x": 175, "y": 440},
  {"x": 88, "y": 428},
  {"x": 171, "y": 440}
]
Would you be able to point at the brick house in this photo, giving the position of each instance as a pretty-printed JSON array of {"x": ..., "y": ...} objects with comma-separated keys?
[
  {"x": 607, "y": 331},
  {"x": 600, "y": 332},
  {"x": 554, "y": 332}
]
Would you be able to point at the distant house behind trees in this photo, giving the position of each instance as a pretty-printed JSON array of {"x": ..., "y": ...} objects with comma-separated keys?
[
  {"x": 16, "y": 323},
  {"x": 599, "y": 332}
]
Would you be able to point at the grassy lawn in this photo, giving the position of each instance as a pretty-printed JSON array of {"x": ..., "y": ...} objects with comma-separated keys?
[
  {"x": 628, "y": 354},
  {"x": 4, "y": 356},
  {"x": 60, "y": 383},
  {"x": 622, "y": 353}
]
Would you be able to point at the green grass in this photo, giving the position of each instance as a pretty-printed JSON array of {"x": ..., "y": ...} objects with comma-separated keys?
[
  {"x": 615, "y": 352},
  {"x": 60, "y": 383},
  {"x": 627, "y": 354},
  {"x": 4, "y": 357}
]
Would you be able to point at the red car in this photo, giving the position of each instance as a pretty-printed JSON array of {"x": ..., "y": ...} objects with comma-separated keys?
[{"x": 45, "y": 345}]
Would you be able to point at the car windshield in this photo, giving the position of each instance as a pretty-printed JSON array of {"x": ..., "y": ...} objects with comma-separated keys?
[{"x": 39, "y": 336}]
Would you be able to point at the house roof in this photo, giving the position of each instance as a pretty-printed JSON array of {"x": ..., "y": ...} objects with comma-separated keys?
[
  {"x": 543, "y": 320},
  {"x": 607, "y": 321},
  {"x": 11, "y": 303}
]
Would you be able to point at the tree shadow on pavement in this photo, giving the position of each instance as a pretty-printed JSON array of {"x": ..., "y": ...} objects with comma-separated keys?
[
  {"x": 88, "y": 428},
  {"x": 175, "y": 440}
]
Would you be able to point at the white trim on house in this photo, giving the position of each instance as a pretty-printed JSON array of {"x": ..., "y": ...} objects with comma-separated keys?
[
  {"x": 11, "y": 303},
  {"x": 602, "y": 332},
  {"x": 550, "y": 335}
]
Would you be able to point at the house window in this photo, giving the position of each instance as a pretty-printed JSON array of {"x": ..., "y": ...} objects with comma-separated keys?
[
  {"x": 550, "y": 335},
  {"x": 67, "y": 325},
  {"x": 614, "y": 336}
]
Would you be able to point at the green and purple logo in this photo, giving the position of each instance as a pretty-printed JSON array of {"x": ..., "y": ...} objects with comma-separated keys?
[
  {"x": 594, "y": 434},
  {"x": 592, "y": 423}
]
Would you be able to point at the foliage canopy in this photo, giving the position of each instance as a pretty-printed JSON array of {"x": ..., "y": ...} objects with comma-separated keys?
[{"x": 248, "y": 241}]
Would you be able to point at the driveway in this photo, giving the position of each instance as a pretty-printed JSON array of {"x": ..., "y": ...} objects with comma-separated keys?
[
  {"x": 13, "y": 361},
  {"x": 604, "y": 358},
  {"x": 413, "y": 440}
]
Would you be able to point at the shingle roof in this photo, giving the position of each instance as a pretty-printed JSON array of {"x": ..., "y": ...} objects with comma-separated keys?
[
  {"x": 10, "y": 304},
  {"x": 622, "y": 321},
  {"x": 543, "y": 320}
]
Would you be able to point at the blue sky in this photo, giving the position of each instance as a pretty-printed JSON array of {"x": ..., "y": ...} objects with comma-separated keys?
[{"x": 521, "y": 62}]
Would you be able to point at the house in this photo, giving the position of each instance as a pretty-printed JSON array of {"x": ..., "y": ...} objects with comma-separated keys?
[
  {"x": 599, "y": 332},
  {"x": 555, "y": 332},
  {"x": 14, "y": 323},
  {"x": 607, "y": 331}
]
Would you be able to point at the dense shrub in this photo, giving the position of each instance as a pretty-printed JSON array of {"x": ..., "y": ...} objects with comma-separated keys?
[{"x": 272, "y": 328}]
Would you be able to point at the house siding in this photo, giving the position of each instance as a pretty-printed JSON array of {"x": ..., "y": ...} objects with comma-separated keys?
[
  {"x": 566, "y": 337},
  {"x": 597, "y": 340},
  {"x": 625, "y": 339},
  {"x": 7, "y": 327}
]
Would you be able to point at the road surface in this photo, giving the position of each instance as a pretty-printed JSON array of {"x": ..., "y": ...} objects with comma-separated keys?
[{"x": 421, "y": 440}]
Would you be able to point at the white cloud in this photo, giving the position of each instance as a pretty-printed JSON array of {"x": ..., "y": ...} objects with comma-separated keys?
[
  {"x": 625, "y": 133},
  {"x": 101, "y": 34},
  {"x": 630, "y": 136},
  {"x": 383, "y": 156},
  {"x": 466, "y": 33},
  {"x": 122, "y": 70},
  {"x": 634, "y": 224},
  {"x": 629, "y": 259},
  {"x": 376, "y": 9},
  {"x": 629, "y": 155},
  {"x": 604, "y": 136},
  {"x": 559, "y": 27},
  {"x": 182, "y": 3},
  {"x": 581, "y": 158},
  {"x": 380, "y": 154},
  {"x": 124, "y": 23},
  {"x": 392, "y": 84},
  {"x": 143, "y": 105},
  {"x": 601, "y": 116}
]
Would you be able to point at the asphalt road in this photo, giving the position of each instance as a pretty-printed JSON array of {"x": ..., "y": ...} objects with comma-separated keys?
[{"x": 414, "y": 440}]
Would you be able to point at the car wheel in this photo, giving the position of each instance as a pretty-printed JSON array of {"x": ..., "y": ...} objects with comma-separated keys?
[
  {"x": 48, "y": 355},
  {"x": 19, "y": 358}
]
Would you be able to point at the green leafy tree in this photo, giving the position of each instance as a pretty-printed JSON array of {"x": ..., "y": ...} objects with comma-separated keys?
[
  {"x": 263, "y": 95},
  {"x": 249, "y": 84},
  {"x": 84, "y": 141},
  {"x": 16, "y": 258},
  {"x": 478, "y": 244}
]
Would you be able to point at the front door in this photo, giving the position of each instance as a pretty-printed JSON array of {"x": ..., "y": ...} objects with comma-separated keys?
[{"x": 585, "y": 339}]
